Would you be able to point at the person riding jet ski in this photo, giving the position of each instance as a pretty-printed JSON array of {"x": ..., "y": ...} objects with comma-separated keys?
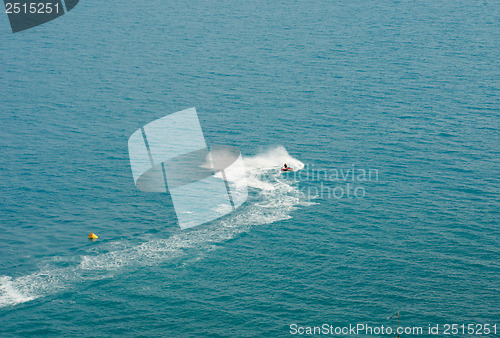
[{"x": 286, "y": 168}]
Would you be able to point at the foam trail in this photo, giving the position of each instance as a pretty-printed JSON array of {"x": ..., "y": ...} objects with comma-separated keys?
[
  {"x": 272, "y": 197},
  {"x": 10, "y": 293}
]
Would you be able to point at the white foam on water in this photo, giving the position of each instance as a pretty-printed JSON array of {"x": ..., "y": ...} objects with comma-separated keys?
[
  {"x": 12, "y": 292},
  {"x": 272, "y": 158},
  {"x": 25, "y": 288},
  {"x": 272, "y": 197}
]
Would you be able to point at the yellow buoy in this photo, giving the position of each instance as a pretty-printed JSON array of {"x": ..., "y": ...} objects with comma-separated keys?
[{"x": 93, "y": 236}]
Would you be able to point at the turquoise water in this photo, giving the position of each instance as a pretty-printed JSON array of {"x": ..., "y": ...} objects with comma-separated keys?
[{"x": 408, "y": 90}]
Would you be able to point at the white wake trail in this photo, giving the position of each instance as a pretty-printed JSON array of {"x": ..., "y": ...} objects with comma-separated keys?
[{"x": 272, "y": 197}]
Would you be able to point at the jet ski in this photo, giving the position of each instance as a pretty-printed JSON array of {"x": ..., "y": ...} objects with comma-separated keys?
[{"x": 286, "y": 169}]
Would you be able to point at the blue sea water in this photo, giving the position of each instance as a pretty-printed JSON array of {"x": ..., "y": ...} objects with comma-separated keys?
[{"x": 408, "y": 90}]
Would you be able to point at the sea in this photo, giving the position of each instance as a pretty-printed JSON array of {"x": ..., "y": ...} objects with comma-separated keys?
[{"x": 389, "y": 112}]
